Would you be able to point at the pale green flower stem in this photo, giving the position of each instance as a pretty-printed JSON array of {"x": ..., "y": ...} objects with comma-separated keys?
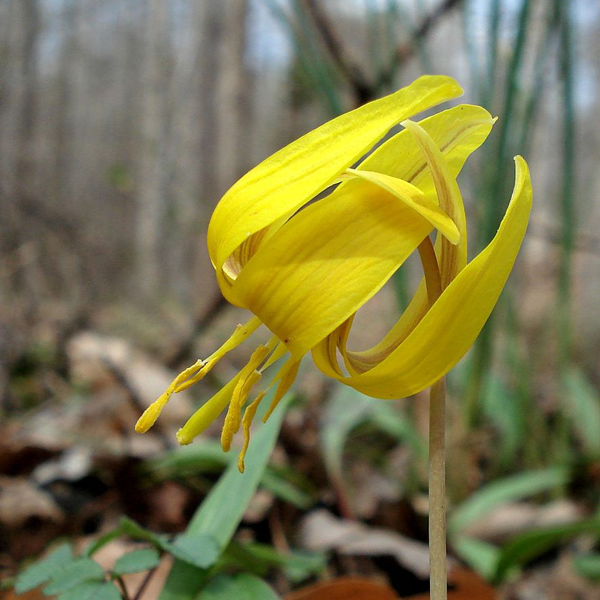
[
  {"x": 437, "y": 446},
  {"x": 437, "y": 491}
]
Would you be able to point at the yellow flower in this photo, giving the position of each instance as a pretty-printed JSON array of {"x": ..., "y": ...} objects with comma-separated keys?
[{"x": 305, "y": 273}]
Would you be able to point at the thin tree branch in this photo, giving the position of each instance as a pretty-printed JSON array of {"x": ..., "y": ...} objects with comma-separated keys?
[
  {"x": 361, "y": 88},
  {"x": 406, "y": 51}
]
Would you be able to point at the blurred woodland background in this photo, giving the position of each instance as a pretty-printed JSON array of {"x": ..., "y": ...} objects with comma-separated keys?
[{"x": 122, "y": 122}]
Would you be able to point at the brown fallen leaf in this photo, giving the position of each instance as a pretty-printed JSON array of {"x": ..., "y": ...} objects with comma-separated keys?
[
  {"x": 346, "y": 588},
  {"x": 468, "y": 586},
  {"x": 320, "y": 530}
]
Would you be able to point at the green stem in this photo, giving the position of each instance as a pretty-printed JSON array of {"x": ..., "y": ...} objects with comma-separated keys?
[
  {"x": 437, "y": 491},
  {"x": 568, "y": 184}
]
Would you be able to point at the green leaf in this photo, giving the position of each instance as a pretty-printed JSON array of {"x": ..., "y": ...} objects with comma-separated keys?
[
  {"x": 588, "y": 566},
  {"x": 531, "y": 544},
  {"x": 260, "y": 558},
  {"x": 345, "y": 410},
  {"x": 102, "y": 541},
  {"x": 198, "y": 550},
  {"x": 480, "y": 556},
  {"x": 240, "y": 587},
  {"x": 396, "y": 424},
  {"x": 506, "y": 490},
  {"x": 143, "y": 559},
  {"x": 74, "y": 574},
  {"x": 222, "y": 510},
  {"x": 582, "y": 403},
  {"x": 275, "y": 481},
  {"x": 504, "y": 408},
  {"x": 92, "y": 591},
  {"x": 208, "y": 456},
  {"x": 41, "y": 571}
]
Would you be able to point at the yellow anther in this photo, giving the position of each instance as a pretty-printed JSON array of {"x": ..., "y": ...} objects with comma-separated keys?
[
  {"x": 248, "y": 377},
  {"x": 249, "y": 414},
  {"x": 234, "y": 414},
  {"x": 152, "y": 413},
  {"x": 195, "y": 373}
]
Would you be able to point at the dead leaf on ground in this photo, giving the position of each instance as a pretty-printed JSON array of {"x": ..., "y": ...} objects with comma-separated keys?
[
  {"x": 511, "y": 519},
  {"x": 29, "y": 517},
  {"x": 91, "y": 355},
  {"x": 320, "y": 530},
  {"x": 346, "y": 588},
  {"x": 467, "y": 586}
]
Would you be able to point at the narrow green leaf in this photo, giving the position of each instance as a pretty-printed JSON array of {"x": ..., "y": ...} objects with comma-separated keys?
[
  {"x": 41, "y": 571},
  {"x": 222, "y": 510},
  {"x": 505, "y": 490},
  {"x": 136, "y": 561},
  {"x": 240, "y": 587},
  {"x": 92, "y": 591},
  {"x": 259, "y": 558},
  {"x": 102, "y": 541},
  {"x": 274, "y": 481},
  {"x": 588, "y": 566},
  {"x": 208, "y": 456},
  {"x": 198, "y": 550},
  {"x": 503, "y": 407},
  {"x": 480, "y": 556},
  {"x": 344, "y": 411},
  {"x": 74, "y": 574},
  {"x": 132, "y": 529},
  {"x": 582, "y": 404},
  {"x": 532, "y": 544}
]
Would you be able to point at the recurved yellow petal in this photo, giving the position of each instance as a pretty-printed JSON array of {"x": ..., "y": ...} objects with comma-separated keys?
[
  {"x": 291, "y": 177},
  {"x": 450, "y": 327},
  {"x": 451, "y": 258},
  {"x": 328, "y": 261},
  {"x": 416, "y": 199},
  {"x": 457, "y": 132}
]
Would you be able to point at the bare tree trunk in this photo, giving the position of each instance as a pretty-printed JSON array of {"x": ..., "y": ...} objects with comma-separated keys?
[
  {"x": 184, "y": 154},
  {"x": 18, "y": 173},
  {"x": 151, "y": 188},
  {"x": 234, "y": 95}
]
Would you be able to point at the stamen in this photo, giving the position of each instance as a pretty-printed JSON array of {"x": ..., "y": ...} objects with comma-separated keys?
[
  {"x": 239, "y": 335},
  {"x": 152, "y": 413},
  {"x": 286, "y": 376},
  {"x": 212, "y": 408},
  {"x": 234, "y": 413},
  {"x": 249, "y": 376},
  {"x": 249, "y": 415},
  {"x": 195, "y": 373}
]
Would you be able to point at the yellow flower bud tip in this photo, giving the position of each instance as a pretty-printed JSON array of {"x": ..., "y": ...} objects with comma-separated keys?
[{"x": 182, "y": 438}]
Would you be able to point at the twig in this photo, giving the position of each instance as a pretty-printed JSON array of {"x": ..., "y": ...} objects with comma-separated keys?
[
  {"x": 185, "y": 347},
  {"x": 144, "y": 584},
  {"x": 363, "y": 91},
  {"x": 123, "y": 587},
  {"x": 405, "y": 51}
]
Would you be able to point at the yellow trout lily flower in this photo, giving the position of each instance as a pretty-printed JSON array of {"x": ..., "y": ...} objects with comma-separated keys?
[{"x": 305, "y": 269}]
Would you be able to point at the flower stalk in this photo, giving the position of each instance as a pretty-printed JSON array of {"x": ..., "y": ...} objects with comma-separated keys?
[{"x": 437, "y": 491}]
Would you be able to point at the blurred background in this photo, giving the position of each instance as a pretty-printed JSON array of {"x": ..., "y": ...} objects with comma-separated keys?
[{"x": 122, "y": 123}]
